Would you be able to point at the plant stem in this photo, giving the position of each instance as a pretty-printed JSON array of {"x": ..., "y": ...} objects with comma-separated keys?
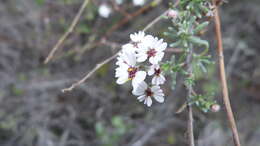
[
  {"x": 68, "y": 32},
  {"x": 226, "y": 99},
  {"x": 189, "y": 94}
]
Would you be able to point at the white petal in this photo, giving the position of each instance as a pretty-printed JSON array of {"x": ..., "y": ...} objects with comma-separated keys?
[
  {"x": 141, "y": 98},
  {"x": 151, "y": 70},
  {"x": 158, "y": 80},
  {"x": 162, "y": 47},
  {"x": 130, "y": 58},
  {"x": 159, "y": 98},
  {"x": 153, "y": 60},
  {"x": 139, "y": 77},
  {"x": 154, "y": 80},
  {"x": 155, "y": 89},
  {"x": 160, "y": 55},
  {"x": 132, "y": 37},
  {"x": 121, "y": 70},
  {"x": 162, "y": 79},
  {"x": 141, "y": 57},
  {"x": 157, "y": 58},
  {"x": 139, "y": 89},
  {"x": 128, "y": 47},
  {"x": 149, "y": 101},
  {"x": 122, "y": 79}
]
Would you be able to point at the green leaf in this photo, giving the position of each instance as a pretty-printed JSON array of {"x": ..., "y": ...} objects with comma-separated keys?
[
  {"x": 201, "y": 27},
  {"x": 117, "y": 122},
  {"x": 100, "y": 129},
  {"x": 198, "y": 41},
  {"x": 172, "y": 35},
  {"x": 174, "y": 78},
  {"x": 40, "y": 2},
  {"x": 176, "y": 44},
  {"x": 166, "y": 66}
]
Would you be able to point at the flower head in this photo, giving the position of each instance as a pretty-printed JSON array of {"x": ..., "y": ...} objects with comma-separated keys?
[
  {"x": 104, "y": 10},
  {"x": 158, "y": 78},
  {"x": 138, "y": 2},
  {"x": 172, "y": 14},
  {"x": 152, "y": 49},
  {"x": 139, "y": 39},
  {"x": 146, "y": 93},
  {"x": 128, "y": 69}
]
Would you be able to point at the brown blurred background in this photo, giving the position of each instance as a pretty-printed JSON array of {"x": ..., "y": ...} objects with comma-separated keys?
[{"x": 34, "y": 111}]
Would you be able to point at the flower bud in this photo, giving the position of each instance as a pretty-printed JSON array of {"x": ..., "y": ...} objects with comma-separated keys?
[
  {"x": 104, "y": 10},
  {"x": 215, "y": 108},
  {"x": 172, "y": 14}
]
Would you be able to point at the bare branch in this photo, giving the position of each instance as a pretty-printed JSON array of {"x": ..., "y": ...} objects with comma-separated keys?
[
  {"x": 226, "y": 99},
  {"x": 67, "y": 33},
  {"x": 189, "y": 94},
  {"x": 99, "y": 65}
]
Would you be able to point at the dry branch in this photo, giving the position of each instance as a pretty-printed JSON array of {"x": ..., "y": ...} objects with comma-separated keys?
[
  {"x": 189, "y": 107},
  {"x": 67, "y": 33},
  {"x": 99, "y": 65},
  {"x": 226, "y": 99}
]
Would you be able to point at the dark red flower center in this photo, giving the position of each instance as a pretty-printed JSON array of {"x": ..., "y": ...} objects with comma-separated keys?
[
  {"x": 148, "y": 92},
  {"x": 131, "y": 72},
  {"x": 157, "y": 72},
  {"x": 151, "y": 52}
]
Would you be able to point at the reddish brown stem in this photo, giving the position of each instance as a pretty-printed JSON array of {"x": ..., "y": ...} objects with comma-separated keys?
[{"x": 226, "y": 99}]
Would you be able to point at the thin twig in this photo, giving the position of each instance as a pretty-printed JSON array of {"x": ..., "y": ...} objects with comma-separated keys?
[
  {"x": 67, "y": 33},
  {"x": 159, "y": 17},
  {"x": 226, "y": 99},
  {"x": 128, "y": 18},
  {"x": 155, "y": 20},
  {"x": 189, "y": 94},
  {"x": 99, "y": 65}
]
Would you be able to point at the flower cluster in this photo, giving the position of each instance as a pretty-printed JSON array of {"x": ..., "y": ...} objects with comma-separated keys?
[{"x": 138, "y": 60}]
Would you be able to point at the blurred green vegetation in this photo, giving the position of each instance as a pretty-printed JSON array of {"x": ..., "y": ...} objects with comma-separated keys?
[{"x": 110, "y": 136}]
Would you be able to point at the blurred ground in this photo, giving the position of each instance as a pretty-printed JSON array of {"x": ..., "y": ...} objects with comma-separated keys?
[{"x": 34, "y": 112}]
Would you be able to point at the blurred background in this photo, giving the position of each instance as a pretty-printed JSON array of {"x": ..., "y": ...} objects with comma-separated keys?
[{"x": 34, "y": 111}]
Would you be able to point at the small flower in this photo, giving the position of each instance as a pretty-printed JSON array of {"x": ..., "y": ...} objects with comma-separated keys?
[
  {"x": 119, "y": 2},
  {"x": 104, "y": 10},
  {"x": 146, "y": 93},
  {"x": 129, "y": 46},
  {"x": 152, "y": 49},
  {"x": 138, "y": 38},
  {"x": 157, "y": 72},
  {"x": 128, "y": 69},
  {"x": 215, "y": 108},
  {"x": 138, "y": 2},
  {"x": 172, "y": 14}
]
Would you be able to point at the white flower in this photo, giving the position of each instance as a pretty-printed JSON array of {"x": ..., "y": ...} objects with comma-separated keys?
[
  {"x": 119, "y": 2},
  {"x": 152, "y": 49},
  {"x": 129, "y": 46},
  {"x": 128, "y": 69},
  {"x": 137, "y": 37},
  {"x": 157, "y": 72},
  {"x": 104, "y": 10},
  {"x": 138, "y": 40},
  {"x": 146, "y": 93},
  {"x": 138, "y": 2}
]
